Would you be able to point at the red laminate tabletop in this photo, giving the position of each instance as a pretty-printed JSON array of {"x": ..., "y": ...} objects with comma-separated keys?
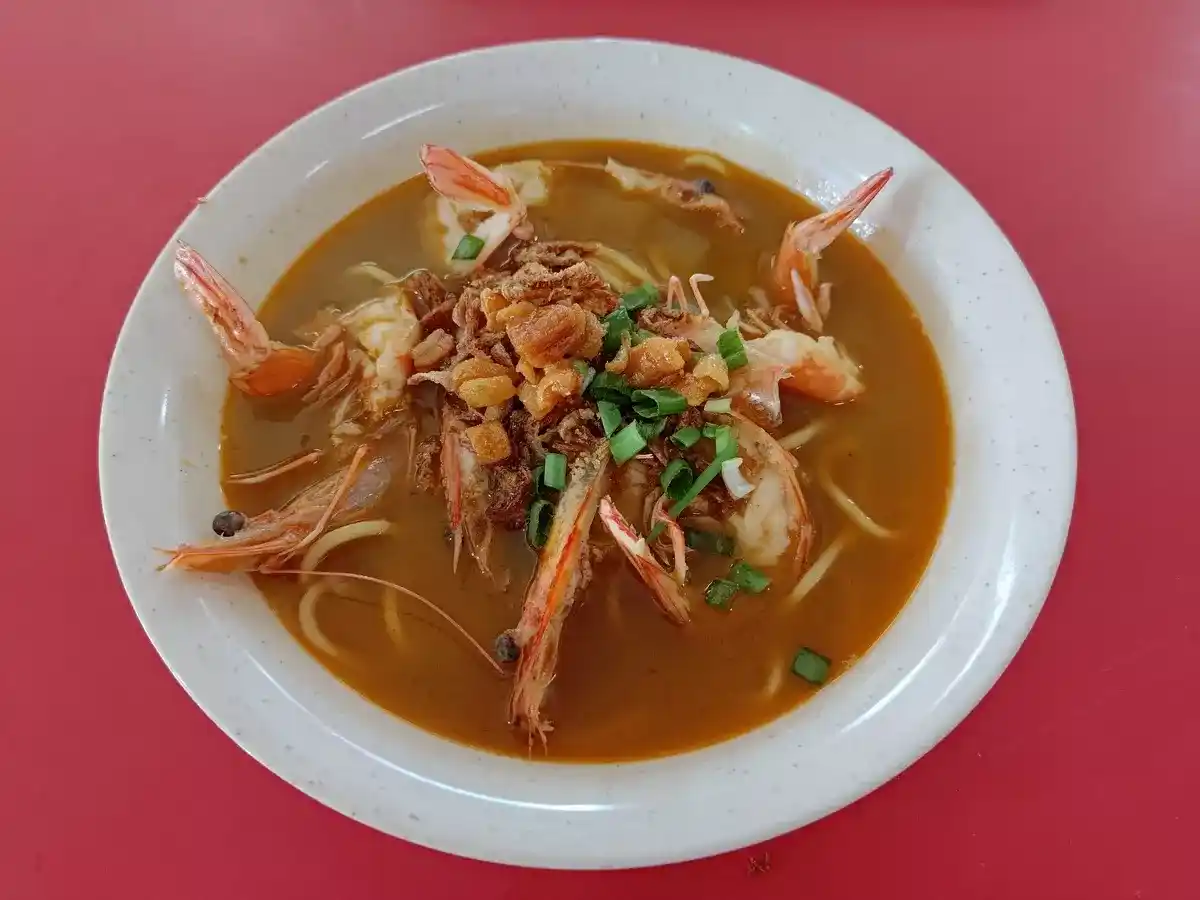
[{"x": 1076, "y": 126}]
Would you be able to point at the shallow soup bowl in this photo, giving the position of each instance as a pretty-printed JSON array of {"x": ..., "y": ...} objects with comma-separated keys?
[{"x": 1013, "y": 481}]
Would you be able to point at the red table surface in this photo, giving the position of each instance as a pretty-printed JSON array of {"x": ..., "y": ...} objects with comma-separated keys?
[{"x": 1073, "y": 123}]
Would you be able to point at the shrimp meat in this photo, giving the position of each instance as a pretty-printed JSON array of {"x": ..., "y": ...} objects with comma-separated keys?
[{"x": 775, "y": 517}]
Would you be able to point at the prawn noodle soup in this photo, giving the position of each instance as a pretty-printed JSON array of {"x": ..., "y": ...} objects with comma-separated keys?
[{"x": 707, "y": 406}]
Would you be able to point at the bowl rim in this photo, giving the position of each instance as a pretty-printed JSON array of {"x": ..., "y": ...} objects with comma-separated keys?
[{"x": 940, "y": 721}]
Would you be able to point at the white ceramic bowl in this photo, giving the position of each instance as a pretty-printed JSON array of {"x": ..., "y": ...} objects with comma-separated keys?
[{"x": 1014, "y": 443}]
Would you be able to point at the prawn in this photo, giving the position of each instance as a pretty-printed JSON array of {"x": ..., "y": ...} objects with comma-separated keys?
[
  {"x": 468, "y": 187},
  {"x": 816, "y": 367},
  {"x": 663, "y": 587},
  {"x": 795, "y": 267},
  {"x": 561, "y": 572},
  {"x": 269, "y": 539},
  {"x": 258, "y": 366},
  {"x": 466, "y": 486},
  {"x": 689, "y": 195},
  {"x": 775, "y": 517}
]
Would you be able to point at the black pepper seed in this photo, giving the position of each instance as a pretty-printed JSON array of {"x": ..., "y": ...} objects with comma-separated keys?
[
  {"x": 506, "y": 647},
  {"x": 228, "y": 523},
  {"x": 704, "y": 186}
]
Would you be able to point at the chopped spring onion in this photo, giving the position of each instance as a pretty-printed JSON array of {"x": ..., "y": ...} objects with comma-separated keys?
[
  {"x": 611, "y": 387},
  {"x": 732, "y": 350},
  {"x": 676, "y": 478},
  {"x": 686, "y": 437},
  {"x": 626, "y": 444},
  {"x": 641, "y": 296},
  {"x": 720, "y": 405},
  {"x": 701, "y": 482},
  {"x": 811, "y": 666},
  {"x": 711, "y": 429},
  {"x": 658, "y": 402},
  {"x": 537, "y": 523},
  {"x": 719, "y": 593},
  {"x": 586, "y": 372},
  {"x": 725, "y": 440},
  {"x": 709, "y": 541},
  {"x": 735, "y": 481},
  {"x": 651, "y": 428},
  {"x": 468, "y": 247},
  {"x": 748, "y": 578},
  {"x": 610, "y": 416},
  {"x": 539, "y": 481},
  {"x": 555, "y": 474},
  {"x": 616, "y": 323},
  {"x": 726, "y": 443}
]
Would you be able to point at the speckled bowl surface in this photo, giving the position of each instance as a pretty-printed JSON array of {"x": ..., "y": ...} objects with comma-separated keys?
[{"x": 1014, "y": 475}]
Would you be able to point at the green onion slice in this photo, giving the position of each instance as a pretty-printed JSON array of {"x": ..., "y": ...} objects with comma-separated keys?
[
  {"x": 468, "y": 247},
  {"x": 686, "y": 437},
  {"x": 701, "y": 482},
  {"x": 811, "y": 666},
  {"x": 616, "y": 323},
  {"x": 725, "y": 440},
  {"x": 676, "y": 478},
  {"x": 626, "y": 444},
  {"x": 748, "y": 578},
  {"x": 610, "y": 416},
  {"x": 612, "y": 387},
  {"x": 719, "y": 593},
  {"x": 639, "y": 297},
  {"x": 651, "y": 428},
  {"x": 537, "y": 523},
  {"x": 732, "y": 350},
  {"x": 720, "y": 405},
  {"x": 658, "y": 402},
  {"x": 555, "y": 473},
  {"x": 709, "y": 541}
]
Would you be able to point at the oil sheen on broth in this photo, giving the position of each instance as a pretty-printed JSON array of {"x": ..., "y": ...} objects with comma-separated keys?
[{"x": 630, "y": 684}]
